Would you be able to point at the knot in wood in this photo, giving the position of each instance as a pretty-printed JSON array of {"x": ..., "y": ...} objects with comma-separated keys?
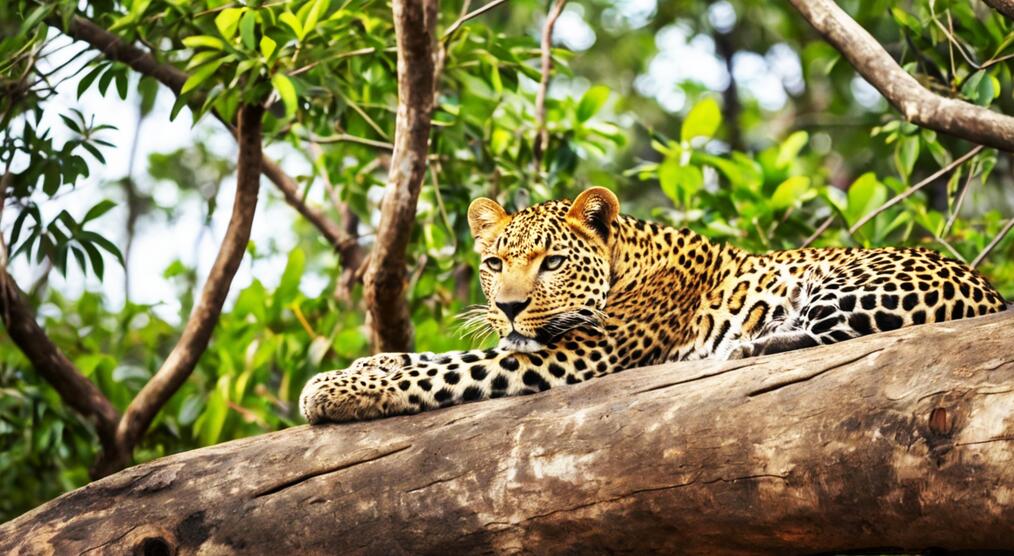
[{"x": 941, "y": 422}]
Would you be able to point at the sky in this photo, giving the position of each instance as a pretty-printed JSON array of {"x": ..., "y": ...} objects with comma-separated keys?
[{"x": 769, "y": 76}]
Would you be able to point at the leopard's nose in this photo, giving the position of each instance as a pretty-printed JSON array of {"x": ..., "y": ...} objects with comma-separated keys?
[{"x": 513, "y": 308}]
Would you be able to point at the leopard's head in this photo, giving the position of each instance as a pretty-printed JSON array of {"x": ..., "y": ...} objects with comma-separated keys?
[{"x": 544, "y": 269}]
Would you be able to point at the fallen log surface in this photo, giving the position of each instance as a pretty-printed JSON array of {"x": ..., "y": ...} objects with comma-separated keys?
[{"x": 902, "y": 440}]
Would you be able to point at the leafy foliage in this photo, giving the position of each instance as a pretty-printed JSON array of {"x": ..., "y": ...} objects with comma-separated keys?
[{"x": 730, "y": 166}]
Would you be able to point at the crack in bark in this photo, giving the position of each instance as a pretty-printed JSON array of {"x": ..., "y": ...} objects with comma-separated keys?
[
  {"x": 110, "y": 541},
  {"x": 636, "y": 493},
  {"x": 435, "y": 482},
  {"x": 307, "y": 476},
  {"x": 798, "y": 379},
  {"x": 695, "y": 379}
]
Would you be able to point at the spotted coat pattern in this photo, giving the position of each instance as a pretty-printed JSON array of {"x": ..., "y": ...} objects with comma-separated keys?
[{"x": 577, "y": 291}]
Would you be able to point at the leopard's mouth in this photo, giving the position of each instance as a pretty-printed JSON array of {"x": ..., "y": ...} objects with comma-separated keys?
[{"x": 519, "y": 343}]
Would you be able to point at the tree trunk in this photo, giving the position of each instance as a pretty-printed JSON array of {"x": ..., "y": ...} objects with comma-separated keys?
[{"x": 895, "y": 441}]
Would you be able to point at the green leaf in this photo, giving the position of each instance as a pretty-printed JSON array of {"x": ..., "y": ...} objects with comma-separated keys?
[
  {"x": 865, "y": 194},
  {"x": 227, "y": 20},
  {"x": 205, "y": 41},
  {"x": 790, "y": 192},
  {"x": 200, "y": 76},
  {"x": 317, "y": 7},
  {"x": 292, "y": 21},
  {"x": 680, "y": 182},
  {"x": 288, "y": 287},
  {"x": 286, "y": 91},
  {"x": 267, "y": 46},
  {"x": 702, "y": 121},
  {"x": 88, "y": 79},
  {"x": 906, "y": 152},
  {"x": 98, "y": 210},
  {"x": 247, "y": 27},
  {"x": 790, "y": 148},
  {"x": 591, "y": 102}
]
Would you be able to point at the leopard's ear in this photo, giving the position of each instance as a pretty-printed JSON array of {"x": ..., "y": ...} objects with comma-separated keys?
[
  {"x": 594, "y": 211},
  {"x": 487, "y": 219}
]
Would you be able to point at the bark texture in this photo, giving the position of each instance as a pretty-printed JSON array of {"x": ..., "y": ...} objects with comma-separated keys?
[
  {"x": 895, "y": 441},
  {"x": 1006, "y": 7},
  {"x": 917, "y": 104},
  {"x": 386, "y": 275}
]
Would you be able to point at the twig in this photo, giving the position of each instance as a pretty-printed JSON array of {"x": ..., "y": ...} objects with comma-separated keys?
[
  {"x": 346, "y": 138},
  {"x": 917, "y": 104},
  {"x": 819, "y": 231},
  {"x": 996, "y": 241},
  {"x": 961, "y": 199},
  {"x": 541, "y": 132},
  {"x": 470, "y": 15},
  {"x": 908, "y": 192}
]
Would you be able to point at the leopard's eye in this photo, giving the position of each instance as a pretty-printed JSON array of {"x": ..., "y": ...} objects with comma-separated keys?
[
  {"x": 553, "y": 262},
  {"x": 494, "y": 264}
]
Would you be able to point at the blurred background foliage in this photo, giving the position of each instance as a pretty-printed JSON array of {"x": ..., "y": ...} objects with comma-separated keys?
[{"x": 730, "y": 117}]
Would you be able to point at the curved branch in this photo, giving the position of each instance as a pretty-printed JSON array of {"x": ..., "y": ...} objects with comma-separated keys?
[
  {"x": 114, "y": 48},
  {"x": 916, "y": 103},
  {"x": 385, "y": 278},
  {"x": 197, "y": 333},
  {"x": 53, "y": 365}
]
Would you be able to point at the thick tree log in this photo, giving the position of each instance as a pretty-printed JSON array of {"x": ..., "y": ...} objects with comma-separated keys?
[{"x": 899, "y": 440}]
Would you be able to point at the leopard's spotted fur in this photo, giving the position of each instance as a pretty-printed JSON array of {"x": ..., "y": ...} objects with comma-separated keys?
[{"x": 577, "y": 291}]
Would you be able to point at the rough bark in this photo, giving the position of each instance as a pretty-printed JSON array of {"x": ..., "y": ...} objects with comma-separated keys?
[
  {"x": 917, "y": 104},
  {"x": 114, "y": 48},
  {"x": 1006, "y": 7},
  {"x": 385, "y": 279},
  {"x": 197, "y": 332},
  {"x": 895, "y": 441}
]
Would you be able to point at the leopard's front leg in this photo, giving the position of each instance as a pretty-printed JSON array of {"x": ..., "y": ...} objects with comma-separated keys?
[{"x": 396, "y": 384}]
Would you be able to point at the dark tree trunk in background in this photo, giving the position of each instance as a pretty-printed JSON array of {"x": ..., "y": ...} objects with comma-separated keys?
[
  {"x": 386, "y": 274},
  {"x": 895, "y": 441}
]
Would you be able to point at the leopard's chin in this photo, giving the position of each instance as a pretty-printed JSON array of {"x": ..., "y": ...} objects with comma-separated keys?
[{"x": 517, "y": 343}]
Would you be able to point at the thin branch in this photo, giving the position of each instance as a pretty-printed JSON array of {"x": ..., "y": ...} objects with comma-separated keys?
[
  {"x": 197, "y": 333},
  {"x": 919, "y": 106},
  {"x": 541, "y": 133},
  {"x": 908, "y": 192},
  {"x": 961, "y": 199},
  {"x": 992, "y": 244},
  {"x": 346, "y": 138},
  {"x": 819, "y": 231},
  {"x": 469, "y": 16},
  {"x": 113, "y": 48},
  {"x": 385, "y": 279}
]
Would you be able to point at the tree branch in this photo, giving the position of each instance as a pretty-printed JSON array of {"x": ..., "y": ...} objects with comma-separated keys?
[
  {"x": 1006, "y": 7},
  {"x": 917, "y": 104},
  {"x": 384, "y": 294},
  {"x": 908, "y": 192},
  {"x": 53, "y": 366},
  {"x": 992, "y": 244},
  {"x": 197, "y": 333},
  {"x": 541, "y": 133},
  {"x": 114, "y": 48},
  {"x": 900, "y": 441}
]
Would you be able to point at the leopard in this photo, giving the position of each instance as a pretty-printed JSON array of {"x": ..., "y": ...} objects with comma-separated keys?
[{"x": 577, "y": 291}]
